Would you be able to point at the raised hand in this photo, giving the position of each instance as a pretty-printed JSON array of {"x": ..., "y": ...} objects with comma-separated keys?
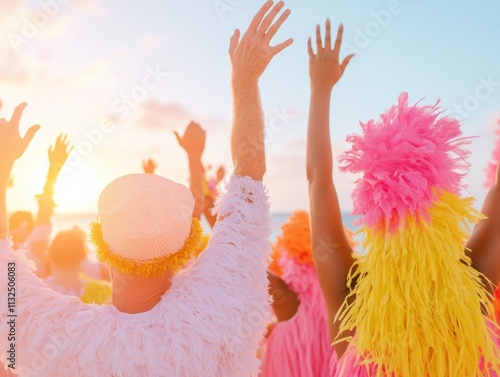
[
  {"x": 59, "y": 152},
  {"x": 12, "y": 145},
  {"x": 325, "y": 69},
  {"x": 149, "y": 166},
  {"x": 221, "y": 173},
  {"x": 332, "y": 267},
  {"x": 193, "y": 140},
  {"x": 251, "y": 55}
]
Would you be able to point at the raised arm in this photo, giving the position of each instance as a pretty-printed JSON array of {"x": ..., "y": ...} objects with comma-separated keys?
[
  {"x": 332, "y": 252},
  {"x": 234, "y": 263},
  {"x": 12, "y": 146},
  {"x": 58, "y": 154},
  {"x": 193, "y": 142},
  {"x": 250, "y": 56},
  {"x": 485, "y": 239}
]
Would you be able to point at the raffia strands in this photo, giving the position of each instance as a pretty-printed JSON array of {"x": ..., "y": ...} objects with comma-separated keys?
[
  {"x": 155, "y": 267},
  {"x": 419, "y": 303}
]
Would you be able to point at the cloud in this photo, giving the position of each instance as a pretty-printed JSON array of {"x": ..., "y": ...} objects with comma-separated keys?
[
  {"x": 9, "y": 10},
  {"x": 155, "y": 115},
  {"x": 91, "y": 7},
  {"x": 148, "y": 42},
  {"x": 296, "y": 145},
  {"x": 46, "y": 20},
  {"x": 37, "y": 72}
]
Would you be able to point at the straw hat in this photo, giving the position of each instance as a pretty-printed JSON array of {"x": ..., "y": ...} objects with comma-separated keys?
[{"x": 145, "y": 225}]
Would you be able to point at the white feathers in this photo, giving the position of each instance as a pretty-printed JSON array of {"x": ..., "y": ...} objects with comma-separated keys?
[{"x": 209, "y": 323}]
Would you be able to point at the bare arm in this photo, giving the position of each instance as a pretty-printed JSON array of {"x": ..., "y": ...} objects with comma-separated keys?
[
  {"x": 485, "y": 239},
  {"x": 285, "y": 301},
  {"x": 332, "y": 252},
  {"x": 58, "y": 154},
  {"x": 193, "y": 142},
  {"x": 12, "y": 147},
  {"x": 250, "y": 56}
]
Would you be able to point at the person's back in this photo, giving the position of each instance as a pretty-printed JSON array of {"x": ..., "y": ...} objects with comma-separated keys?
[
  {"x": 212, "y": 317},
  {"x": 298, "y": 346},
  {"x": 413, "y": 304}
]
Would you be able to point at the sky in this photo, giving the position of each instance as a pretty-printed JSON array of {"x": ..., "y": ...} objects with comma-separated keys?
[{"x": 120, "y": 76}]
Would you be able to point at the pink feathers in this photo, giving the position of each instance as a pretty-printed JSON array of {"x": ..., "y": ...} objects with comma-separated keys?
[{"x": 407, "y": 157}]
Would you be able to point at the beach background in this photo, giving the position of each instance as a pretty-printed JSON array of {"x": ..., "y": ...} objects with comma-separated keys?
[
  {"x": 83, "y": 77},
  {"x": 82, "y": 220}
]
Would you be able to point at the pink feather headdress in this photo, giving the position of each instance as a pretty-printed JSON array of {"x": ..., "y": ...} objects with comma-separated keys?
[{"x": 407, "y": 158}]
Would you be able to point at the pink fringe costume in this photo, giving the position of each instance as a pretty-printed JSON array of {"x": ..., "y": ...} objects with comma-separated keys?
[
  {"x": 209, "y": 323},
  {"x": 300, "y": 346}
]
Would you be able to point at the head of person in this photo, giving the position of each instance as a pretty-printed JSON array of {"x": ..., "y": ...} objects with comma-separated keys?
[
  {"x": 145, "y": 228},
  {"x": 67, "y": 250},
  {"x": 415, "y": 277},
  {"x": 21, "y": 225},
  {"x": 294, "y": 243}
]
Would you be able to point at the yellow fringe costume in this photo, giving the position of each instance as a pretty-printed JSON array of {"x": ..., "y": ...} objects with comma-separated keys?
[{"x": 418, "y": 306}]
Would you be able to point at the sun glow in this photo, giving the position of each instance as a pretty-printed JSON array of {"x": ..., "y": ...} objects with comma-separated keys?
[{"x": 74, "y": 194}]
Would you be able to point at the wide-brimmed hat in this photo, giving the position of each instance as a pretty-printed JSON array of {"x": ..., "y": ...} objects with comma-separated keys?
[{"x": 145, "y": 225}]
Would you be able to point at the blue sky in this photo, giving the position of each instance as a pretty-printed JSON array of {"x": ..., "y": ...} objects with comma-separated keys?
[{"x": 91, "y": 53}]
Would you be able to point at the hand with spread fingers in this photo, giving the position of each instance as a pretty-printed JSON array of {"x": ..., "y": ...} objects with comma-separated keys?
[
  {"x": 325, "y": 68},
  {"x": 149, "y": 166},
  {"x": 59, "y": 152},
  {"x": 251, "y": 54},
  {"x": 12, "y": 144},
  {"x": 193, "y": 140}
]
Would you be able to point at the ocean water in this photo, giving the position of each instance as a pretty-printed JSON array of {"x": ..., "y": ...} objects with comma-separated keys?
[{"x": 82, "y": 221}]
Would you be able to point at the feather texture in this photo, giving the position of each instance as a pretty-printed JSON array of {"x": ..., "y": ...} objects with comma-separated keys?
[
  {"x": 407, "y": 158},
  {"x": 209, "y": 323},
  {"x": 419, "y": 302}
]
